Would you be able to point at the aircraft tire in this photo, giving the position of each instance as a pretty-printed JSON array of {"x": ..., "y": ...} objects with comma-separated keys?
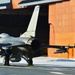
[
  {"x": 7, "y": 56},
  {"x": 30, "y": 62},
  {"x": 6, "y": 60}
]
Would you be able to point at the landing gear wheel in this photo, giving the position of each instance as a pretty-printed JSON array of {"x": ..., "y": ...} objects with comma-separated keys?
[
  {"x": 30, "y": 62},
  {"x": 6, "y": 60},
  {"x": 7, "y": 56}
]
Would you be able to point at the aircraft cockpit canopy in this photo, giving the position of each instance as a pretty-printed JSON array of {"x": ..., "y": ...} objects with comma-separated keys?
[{"x": 4, "y": 35}]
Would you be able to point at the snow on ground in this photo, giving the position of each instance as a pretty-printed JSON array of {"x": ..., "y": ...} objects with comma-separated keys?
[
  {"x": 46, "y": 61},
  {"x": 57, "y": 62}
]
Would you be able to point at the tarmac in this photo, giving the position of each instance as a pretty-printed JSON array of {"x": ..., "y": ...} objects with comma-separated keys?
[{"x": 54, "y": 62}]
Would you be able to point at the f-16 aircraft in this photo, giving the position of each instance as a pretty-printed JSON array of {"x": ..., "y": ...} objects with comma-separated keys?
[{"x": 22, "y": 46}]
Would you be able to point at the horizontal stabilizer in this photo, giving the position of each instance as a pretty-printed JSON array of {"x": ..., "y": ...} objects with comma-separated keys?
[{"x": 56, "y": 46}]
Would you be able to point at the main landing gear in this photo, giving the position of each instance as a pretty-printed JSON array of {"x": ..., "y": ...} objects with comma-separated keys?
[
  {"x": 8, "y": 52},
  {"x": 29, "y": 60},
  {"x": 7, "y": 55}
]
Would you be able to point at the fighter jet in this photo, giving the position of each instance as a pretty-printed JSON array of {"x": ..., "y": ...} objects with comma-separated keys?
[{"x": 23, "y": 46}]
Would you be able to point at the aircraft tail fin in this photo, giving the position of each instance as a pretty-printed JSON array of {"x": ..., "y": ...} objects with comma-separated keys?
[{"x": 32, "y": 24}]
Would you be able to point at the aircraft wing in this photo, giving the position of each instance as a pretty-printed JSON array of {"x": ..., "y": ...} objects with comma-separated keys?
[
  {"x": 37, "y": 2},
  {"x": 57, "y": 46},
  {"x": 4, "y": 44},
  {"x": 7, "y": 45},
  {"x": 60, "y": 49}
]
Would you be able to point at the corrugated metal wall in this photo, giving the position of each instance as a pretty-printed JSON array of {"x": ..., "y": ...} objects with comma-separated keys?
[{"x": 62, "y": 28}]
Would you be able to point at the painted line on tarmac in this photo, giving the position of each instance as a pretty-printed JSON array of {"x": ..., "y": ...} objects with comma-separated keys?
[{"x": 58, "y": 73}]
